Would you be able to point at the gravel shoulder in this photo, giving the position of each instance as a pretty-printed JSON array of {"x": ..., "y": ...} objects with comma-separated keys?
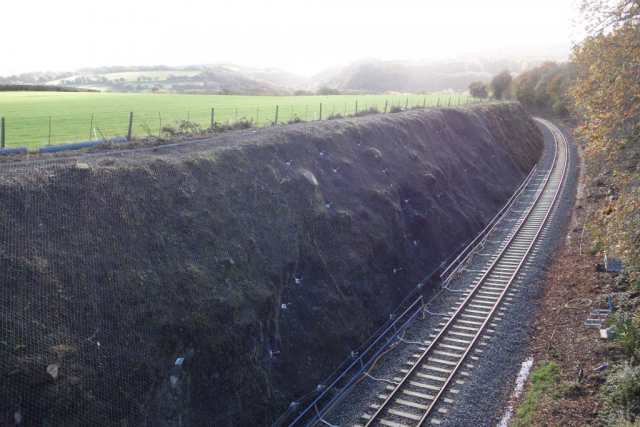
[{"x": 558, "y": 334}]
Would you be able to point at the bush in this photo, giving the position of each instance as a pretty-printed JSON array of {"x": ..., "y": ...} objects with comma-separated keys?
[
  {"x": 559, "y": 109},
  {"x": 621, "y": 396},
  {"x": 335, "y": 116},
  {"x": 396, "y": 109},
  {"x": 625, "y": 332},
  {"x": 597, "y": 248},
  {"x": 240, "y": 124}
]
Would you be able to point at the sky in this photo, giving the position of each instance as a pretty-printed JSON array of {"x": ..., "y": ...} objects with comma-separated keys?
[{"x": 300, "y": 36}]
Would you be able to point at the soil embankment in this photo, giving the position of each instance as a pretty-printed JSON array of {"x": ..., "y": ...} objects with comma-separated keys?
[{"x": 210, "y": 283}]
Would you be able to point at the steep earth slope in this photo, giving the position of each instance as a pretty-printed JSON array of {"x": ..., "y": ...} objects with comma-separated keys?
[{"x": 208, "y": 283}]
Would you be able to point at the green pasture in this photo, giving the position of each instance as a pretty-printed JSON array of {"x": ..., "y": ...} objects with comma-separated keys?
[{"x": 35, "y": 119}]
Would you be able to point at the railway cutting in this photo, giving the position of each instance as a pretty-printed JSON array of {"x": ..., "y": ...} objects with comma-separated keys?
[{"x": 424, "y": 388}]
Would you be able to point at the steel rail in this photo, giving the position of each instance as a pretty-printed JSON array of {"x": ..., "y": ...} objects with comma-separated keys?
[
  {"x": 412, "y": 308},
  {"x": 520, "y": 264},
  {"x": 473, "y": 293},
  {"x": 489, "y": 227}
]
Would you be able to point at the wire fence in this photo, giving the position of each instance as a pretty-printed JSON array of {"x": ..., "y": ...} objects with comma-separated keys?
[{"x": 40, "y": 130}]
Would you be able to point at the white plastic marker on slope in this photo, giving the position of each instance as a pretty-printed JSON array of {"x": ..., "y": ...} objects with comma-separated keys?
[{"x": 522, "y": 377}]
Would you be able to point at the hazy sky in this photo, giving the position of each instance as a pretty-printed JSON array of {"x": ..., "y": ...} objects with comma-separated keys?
[{"x": 301, "y": 36}]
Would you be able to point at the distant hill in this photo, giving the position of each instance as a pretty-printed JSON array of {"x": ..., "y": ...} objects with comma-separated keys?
[
  {"x": 365, "y": 76},
  {"x": 377, "y": 76},
  {"x": 272, "y": 75},
  {"x": 164, "y": 79},
  {"x": 206, "y": 80}
]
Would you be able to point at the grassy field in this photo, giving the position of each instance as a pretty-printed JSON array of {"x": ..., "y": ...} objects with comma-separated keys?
[{"x": 35, "y": 119}]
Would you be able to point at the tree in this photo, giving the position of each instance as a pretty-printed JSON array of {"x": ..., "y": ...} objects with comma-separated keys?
[
  {"x": 607, "y": 103},
  {"x": 544, "y": 87},
  {"x": 607, "y": 87},
  {"x": 500, "y": 83},
  {"x": 324, "y": 90},
  {"x": 478, "y": 89}
]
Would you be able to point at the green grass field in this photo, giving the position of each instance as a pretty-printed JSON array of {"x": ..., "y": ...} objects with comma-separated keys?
[{"x": 35, "y": 119}]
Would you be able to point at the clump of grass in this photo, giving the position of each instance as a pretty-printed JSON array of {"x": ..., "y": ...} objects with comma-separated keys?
[
  {"x": 396, "y": 109},
  {"x": 145, "y": 127},
  {"x": 335, "y": 116},
  {"x": 543, "y": 383},
  {"x": 368, "y": 111},
  {"x": 621, "y": 396},
  {"x": 186, "y": 126},
  {"x": 569, "y": 389},
  {"x": 296, "y": 119},
  {"x": 169, "y": 130}
]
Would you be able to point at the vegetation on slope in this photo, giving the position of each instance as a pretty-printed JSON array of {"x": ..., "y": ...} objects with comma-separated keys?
[{"x": 600, "y": 88}]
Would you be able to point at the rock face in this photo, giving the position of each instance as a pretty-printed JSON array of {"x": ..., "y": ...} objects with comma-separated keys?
[{"x": 211, "y": 283}]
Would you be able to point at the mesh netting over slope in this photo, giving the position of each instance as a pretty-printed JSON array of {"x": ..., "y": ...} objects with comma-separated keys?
[{"x": 208, "y": 283}]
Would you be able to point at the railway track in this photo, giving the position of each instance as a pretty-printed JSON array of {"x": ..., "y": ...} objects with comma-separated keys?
[{"x": 429, "y": 383}]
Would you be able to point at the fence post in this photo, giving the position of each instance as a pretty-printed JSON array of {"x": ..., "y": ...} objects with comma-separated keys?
[
  {"x": 438, "y": 102},
  {"x": 424, "y": 103},
  {"x": 385, "y": 105},
  {"x": 50, "y": 131},
  {"x": 321, "y": 111},
  {"x": 212, "y": 119},
  {"x": 276, "y": 122},
  {"x": 90, "y": 126},
  {"x": 2, "y": 134},
  {"x": 160, "y": 127},
  {"x": 130, "y": 126},
  {"x": 356, "y": 108}
]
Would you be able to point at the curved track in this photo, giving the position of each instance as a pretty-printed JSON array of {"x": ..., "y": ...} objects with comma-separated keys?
[{"x": 417, "y": 397}]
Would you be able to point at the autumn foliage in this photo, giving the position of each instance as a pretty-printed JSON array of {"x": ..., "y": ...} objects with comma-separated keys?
[
  {"x": 545, "y": 87},
  {"x": 606, "y": 94}
]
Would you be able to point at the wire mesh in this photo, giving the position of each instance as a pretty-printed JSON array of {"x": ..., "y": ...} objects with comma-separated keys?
[
  {"x": 130, "y": 286},
  {"x": 87, "y": 301}
]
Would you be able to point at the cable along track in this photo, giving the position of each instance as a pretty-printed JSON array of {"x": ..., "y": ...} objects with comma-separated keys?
[{"x": 422, "y": 394}]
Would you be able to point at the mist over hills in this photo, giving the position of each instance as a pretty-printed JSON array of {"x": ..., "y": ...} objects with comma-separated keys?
[
  {"x": 363, "y": 76},
  {"x": 374, "y": 75}
]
